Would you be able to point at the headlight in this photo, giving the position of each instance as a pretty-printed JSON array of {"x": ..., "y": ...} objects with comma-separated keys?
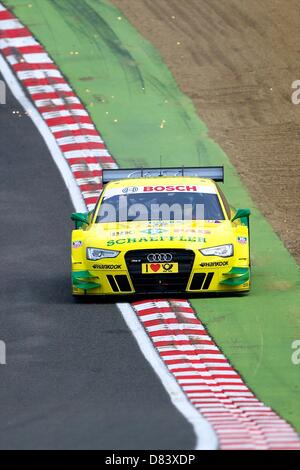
[
  {"x": 96, "y": 253},
  {"x": 224, "y": 251}
]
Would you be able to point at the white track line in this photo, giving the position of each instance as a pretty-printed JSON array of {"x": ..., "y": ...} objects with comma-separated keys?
[{"x": 206, "y": 436}]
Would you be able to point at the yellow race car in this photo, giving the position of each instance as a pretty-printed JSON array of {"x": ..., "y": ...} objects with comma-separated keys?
[{"x": 157, "y": 231}]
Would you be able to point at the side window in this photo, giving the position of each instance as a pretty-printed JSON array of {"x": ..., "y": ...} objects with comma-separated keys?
[{"x": 225, "y": 203}]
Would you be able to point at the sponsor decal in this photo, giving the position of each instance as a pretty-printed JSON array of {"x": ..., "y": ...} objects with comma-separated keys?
[
  {"x": 130, "y": 189},
  {"x": 121, "y": 233},
  {"x": 159, "y": 268},
  {"x": 107, "y": 266},
  {"x": 160, "y": 188},
  {"x": 214, "y": 264},
  {"x": 242, "y": 240},
  {"x": 163, "y": 223},
  {"x": 123, "y": 241},
  {"x": 170, "y": 188},
  {"x": 153, "y": 231},
  {"x": 214, "y": 221},
  {"x": 192, "y": 230},
  {"x": 77, "y": 244}
]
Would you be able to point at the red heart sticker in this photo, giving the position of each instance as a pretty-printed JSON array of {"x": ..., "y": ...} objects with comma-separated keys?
[{"x": 155, "y": 267}]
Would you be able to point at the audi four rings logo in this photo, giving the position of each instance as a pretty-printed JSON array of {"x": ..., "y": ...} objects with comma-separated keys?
[{"x": 159, "y": 257}]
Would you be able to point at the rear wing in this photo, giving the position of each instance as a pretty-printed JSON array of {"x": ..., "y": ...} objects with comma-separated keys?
[{"x": 215, "y": 173}]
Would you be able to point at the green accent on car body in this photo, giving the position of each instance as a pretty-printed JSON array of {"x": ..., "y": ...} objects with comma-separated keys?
[
  {"x": 147, "y": 121},
  {"x": 236, "y": 270},
  {"x": 238, "y": 278},
  {"x": 242, "y": 214},
  {"x": 81, "y": 280},
  {"x": 80, "y": 219}
]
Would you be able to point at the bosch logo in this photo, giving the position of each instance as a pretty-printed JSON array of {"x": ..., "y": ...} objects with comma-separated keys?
[{"x": 159, "y": 257}]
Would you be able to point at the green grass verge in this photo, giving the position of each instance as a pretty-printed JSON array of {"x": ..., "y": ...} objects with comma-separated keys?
[{"x": 144, "y": 117}]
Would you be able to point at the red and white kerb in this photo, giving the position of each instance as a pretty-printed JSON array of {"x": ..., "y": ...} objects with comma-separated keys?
[{"x": 240, "y": 420}]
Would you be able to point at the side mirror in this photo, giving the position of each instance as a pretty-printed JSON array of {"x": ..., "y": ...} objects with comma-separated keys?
[
  {"x": 241, "y": 214},
  {"x": 80, "y": 219}
]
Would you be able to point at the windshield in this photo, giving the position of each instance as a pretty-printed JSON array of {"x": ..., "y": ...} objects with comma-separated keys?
[{"x": 160, "y": 206}]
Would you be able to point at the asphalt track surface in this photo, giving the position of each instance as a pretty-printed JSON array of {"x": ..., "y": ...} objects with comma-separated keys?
[{"x": 75, "y": 377}]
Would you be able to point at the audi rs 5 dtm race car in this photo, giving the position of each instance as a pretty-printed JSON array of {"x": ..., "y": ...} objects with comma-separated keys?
[{"x": 161, "y": 231}]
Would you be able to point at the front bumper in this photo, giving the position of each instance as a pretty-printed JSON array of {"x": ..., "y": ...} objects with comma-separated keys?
[{"x": 196, "y": 274}]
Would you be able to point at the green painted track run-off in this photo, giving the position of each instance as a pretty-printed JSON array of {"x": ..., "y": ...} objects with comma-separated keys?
[{"x": 145, "y": 119}]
